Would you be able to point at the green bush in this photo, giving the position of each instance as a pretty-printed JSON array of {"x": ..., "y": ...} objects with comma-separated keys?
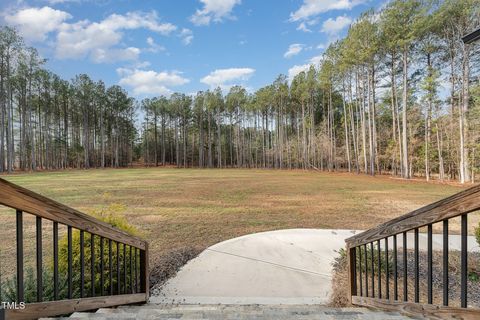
[
  {"x": 30, "y": 286},
  {"x": 477, "y": 234},
  {"x": 383, "y": 267},
  {"x": 113, "y": 215}
]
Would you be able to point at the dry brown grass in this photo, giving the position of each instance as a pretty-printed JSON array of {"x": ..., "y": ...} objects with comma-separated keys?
[{"x": 179, "y": 208}]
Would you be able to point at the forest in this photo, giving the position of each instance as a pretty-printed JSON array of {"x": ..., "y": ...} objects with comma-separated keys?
[
  {"x": 49, "y": 123},
  {"x": 399, "y": 95}
]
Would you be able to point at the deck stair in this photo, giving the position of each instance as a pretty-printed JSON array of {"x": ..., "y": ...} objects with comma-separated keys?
[{"x": 233, "y": 312}]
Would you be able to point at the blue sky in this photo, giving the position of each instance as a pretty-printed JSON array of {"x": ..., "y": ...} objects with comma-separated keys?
[{"x": 158, "y": 47}]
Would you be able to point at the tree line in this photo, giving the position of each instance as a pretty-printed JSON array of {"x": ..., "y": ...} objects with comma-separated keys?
[
  {"x": 398, "y": 95},
  {"x": 49, "y": 123}
]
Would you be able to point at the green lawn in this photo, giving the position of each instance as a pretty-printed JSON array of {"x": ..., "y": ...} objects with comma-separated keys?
[{"x": 192, "y": 207}]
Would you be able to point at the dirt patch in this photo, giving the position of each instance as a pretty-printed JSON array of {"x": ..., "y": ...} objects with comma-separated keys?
[{"x": 167, "y": 265}]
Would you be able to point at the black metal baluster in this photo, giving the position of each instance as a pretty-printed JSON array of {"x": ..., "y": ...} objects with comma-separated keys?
[
  {"x": 379, "y": 258},
  {"x": 39, "y": 260},
  {"x": 417, "y": 272},
  {"x": 366, "y": 270},
  {"x": 445, "y": 262},
  {"x": 136, "y": 270},
  {"x": 82, "y": 263},
  {"x": 102, "y": 271},
  {"x": 143, "y": 275},
  {"x": 352, "y": 271},
  {"x": 20, "y": 288},
  {"x": 92, "y": 265},
  {"x": 125, "y": 282},
  {"x": 464, "y": 262},
  {"x": 360, "y": 269},
  {"x": 387, "y": 271},
  {"x": 395, "y": 268},
  {"x": 118, "y": 268},
  {"x": 429, "y": 265},
  {"x": 372, "y": 263},
  {"x": 405, "y": 280},
  {"x": 110, "y": 266},
  {"x": 55, "y": 261},
  {"x": 70, "y": 263},
  {"x": 131, "y": 270}
]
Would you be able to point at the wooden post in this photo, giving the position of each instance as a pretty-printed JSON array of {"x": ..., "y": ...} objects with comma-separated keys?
[
  {"x": 352, "y": 288},
  {"x": 144, "y": 272}
]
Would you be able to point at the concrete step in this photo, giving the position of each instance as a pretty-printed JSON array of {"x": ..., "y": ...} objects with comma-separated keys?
[{"x": 234, "y": 312}]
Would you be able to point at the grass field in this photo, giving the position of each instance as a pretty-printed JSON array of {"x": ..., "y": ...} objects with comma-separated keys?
[{"x": 176, "y": 208}]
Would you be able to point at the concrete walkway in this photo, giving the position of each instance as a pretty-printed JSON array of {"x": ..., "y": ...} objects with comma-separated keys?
[{"x": 279, "y": 267}]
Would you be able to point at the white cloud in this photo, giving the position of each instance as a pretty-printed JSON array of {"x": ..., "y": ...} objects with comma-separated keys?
[
  {"x": 34, "y": 24},
  {"x": 113, "y": 54},
  {"x": 53, "y": 2},
  {"x": 187, "y": 36},
  {"x": 213, "y": 10},
  {"x": 293, "y": 71},
  {"x": 333, "y": 26},
  {"x": 61, "y": 1},
  {"x": 149, "y": 82},
  {"x": 136, "y": 20},
  {"x": 303, "y": 27},
  {"x": 93, "y": 39},
  {"x": 153, "y": 46},
  {"x": 141, "y": 64},
  {"x": 316, "y": 60},
  {"x": 293, "y": 50},
  {"x": 311, "y": 8},
  {"x": 225, "y": 77}
]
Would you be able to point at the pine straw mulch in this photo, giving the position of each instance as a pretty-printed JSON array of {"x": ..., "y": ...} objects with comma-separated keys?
[{"x": 339, "y": 297}]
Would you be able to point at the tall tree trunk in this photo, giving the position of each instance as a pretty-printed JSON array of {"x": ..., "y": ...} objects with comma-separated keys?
[
  {"x": 463, "y": 109},
  {"x": 370, "y": 125},
  {"x": 406, "y": 171},
  {"x": 2, "y": 116},
  {"x": 345, "y": 120},
  {"x": 219, "y": 140},
  {"x": 441, "y": 169},
  {"x": 201, "y": 142},
  {"x": 210, "y": 157},
  {"x": 394, "y": 115},
  {"x": 155, "y": 140}
]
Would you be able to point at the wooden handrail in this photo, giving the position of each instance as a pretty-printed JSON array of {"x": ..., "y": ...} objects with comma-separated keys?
[
  {"x": 460, "y": 203},
  {"x": 19, "y": 198},
  {"x": 130, "y": 274},
  {"x": 369, "y": 264}
]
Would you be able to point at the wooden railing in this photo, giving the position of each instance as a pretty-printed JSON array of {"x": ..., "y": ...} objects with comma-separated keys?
[
  {"x": 118, "y": 270},
  {"x": 373, "y": 262}
]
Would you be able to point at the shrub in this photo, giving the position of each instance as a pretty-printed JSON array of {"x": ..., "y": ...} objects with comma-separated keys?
[
  {"x": 113, "y": 215},
  {"x": 30, "y": 286},
  {"x": 477, "y": 234}
]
